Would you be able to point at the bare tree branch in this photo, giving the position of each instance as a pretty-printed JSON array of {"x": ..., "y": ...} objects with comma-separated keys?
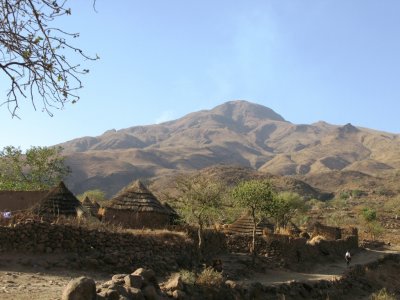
[{"x": 37, "y": 59}]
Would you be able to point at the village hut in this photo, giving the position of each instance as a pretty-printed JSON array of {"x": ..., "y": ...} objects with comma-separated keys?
[
  {"x": 90, "y": 206},
  {"x": 59, "y": 202},
  {"x": 136, "y": 207},
  {"x": 244, "y": 225}
]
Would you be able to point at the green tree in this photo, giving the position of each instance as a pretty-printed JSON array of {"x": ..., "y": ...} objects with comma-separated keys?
[
  {"x": 37, "y": 59},
  {"x": 258, "y": 198},
  {"x": 38, "y": 169},
  {"x": 286, "y": 206},
  {"x": 94, "y": 195},
  {"x": 199, "y": 202}
]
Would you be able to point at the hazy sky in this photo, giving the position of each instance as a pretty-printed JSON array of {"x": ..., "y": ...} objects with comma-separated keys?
[{"x": 331, "y": 60}]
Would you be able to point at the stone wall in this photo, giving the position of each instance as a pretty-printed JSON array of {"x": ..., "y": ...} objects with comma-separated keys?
[
  {"x": 103, "y": 250},
  {"x": 328, "y": 232},
  {"x": 292, "y": 250}
]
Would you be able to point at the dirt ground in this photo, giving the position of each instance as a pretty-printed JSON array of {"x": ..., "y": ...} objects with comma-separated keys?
[{"x": 25, "y": 277}]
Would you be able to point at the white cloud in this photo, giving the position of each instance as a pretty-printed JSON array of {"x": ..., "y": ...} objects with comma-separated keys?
[{"x": 165, "y": 116}]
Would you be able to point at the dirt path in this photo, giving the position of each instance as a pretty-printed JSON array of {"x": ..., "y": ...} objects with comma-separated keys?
[
  {"x": 329, "y": 271},
  {"x": 34, "y": 282}
]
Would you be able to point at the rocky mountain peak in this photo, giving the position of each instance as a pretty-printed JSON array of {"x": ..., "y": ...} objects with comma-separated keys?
[{"x": 240, "y": 109}]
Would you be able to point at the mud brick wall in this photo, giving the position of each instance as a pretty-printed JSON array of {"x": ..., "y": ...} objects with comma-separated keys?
[{"x": 102, "y": 250}]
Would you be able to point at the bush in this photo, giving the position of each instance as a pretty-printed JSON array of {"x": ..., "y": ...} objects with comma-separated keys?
[
  {"x": 210, "y": 277},
  {"x": 188, "y": 277},
  {"x": 383, "y": 294}
]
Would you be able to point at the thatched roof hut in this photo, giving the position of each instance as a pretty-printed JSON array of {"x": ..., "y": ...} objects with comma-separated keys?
[
  {"x": 244, "y": 225},
  {"x": 59, "y": 201},
  {"x": 90, "y": 206},
  {"x": 136, "y": 207}
]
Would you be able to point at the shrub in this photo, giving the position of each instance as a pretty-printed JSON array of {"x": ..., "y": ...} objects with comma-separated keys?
[
  {"x": 188, "y": 277},
  {"x": 383, "y": 294},
  {"x": 368, "y": 214},
  {"x": 210, "y": 277}
]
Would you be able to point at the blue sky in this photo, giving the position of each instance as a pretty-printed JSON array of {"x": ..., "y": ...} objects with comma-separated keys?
[{"x": 331, "y": 60}]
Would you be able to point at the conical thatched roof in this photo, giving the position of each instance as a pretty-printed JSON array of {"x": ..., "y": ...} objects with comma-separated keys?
[
  {"x": 59, "y": 201},
  {"x": 90, "y": 206},
  {"x": 244, "y": 225},
  {"x": 136, "y": 197}
]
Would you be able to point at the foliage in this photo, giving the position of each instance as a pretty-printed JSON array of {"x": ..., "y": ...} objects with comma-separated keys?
[
  {"x": 198, "y": 201},
  {"x": 210, "y": 277},
  {"x": 94, "y": 195},
  {"x": 383, "y": 294},
  {"x": 370, "y": 223},
  {"x": 257, "y": 197},
  {"x": 286, "y": 206},
  {"x": 188, "y": 277},
  {"x": 37, "y": 58},
  {"x": 39, "y": 169},
  {"x": 368, "y": 214},
  {"x": 344, "y": 195}
]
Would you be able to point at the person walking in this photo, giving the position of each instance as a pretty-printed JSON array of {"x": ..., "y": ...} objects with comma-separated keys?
[{"x": 347, "y": 256}]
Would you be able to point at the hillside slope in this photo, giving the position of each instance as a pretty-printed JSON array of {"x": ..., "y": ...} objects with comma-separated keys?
[{"x": 234, "y": 133}]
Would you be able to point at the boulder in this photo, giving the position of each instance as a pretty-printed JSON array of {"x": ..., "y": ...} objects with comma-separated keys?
[
  {"x": 134, "y": 281},
  {"x": 81, "y": 288},
  {"x": 174, "y": 283}
]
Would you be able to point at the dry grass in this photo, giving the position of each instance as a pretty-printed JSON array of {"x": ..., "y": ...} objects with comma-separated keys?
[
  {"x": 316, "y": 240},
  {"x": 383, "y": 294},
  {"x": 210, "y": 277}
]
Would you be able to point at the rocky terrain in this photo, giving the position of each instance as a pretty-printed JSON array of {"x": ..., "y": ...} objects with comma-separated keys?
[{"x": 236, "y": 133}]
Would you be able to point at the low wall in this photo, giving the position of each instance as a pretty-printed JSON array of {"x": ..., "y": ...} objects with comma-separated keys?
[
  {"x": 103, "y": 250},
  {"x": 292, "y": 250}
]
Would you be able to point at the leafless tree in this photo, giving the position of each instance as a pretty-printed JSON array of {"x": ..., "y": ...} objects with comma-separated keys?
[{"x": 37, "y": 61}]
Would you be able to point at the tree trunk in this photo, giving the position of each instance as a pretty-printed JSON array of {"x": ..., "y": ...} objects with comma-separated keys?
[
  {"x": 200, "y": 237},
  {"x": 253, "y": 246}
]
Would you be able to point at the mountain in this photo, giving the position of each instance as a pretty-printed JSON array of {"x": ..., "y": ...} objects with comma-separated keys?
[{"x": 234, "y": 133}]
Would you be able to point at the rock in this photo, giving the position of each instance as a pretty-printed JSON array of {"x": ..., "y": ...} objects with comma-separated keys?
[
  {"x": 148, "y": 275},
  {"x": 134, "y": 293},
  {"x": 174, "y": 283},
  {"x": 118, "y": 279},
  {"x": 150, "y": 293},
  {"x": 135, "y": 281},
  {"x": 81, "y": 288},
  {"x": 178, "y": 294},
  {"x": 232, "y": 284},
  {"x": 112, "y": 295}
]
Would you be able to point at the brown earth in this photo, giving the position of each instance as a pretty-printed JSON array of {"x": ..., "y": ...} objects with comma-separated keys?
[{"x": 22, "y": 281}]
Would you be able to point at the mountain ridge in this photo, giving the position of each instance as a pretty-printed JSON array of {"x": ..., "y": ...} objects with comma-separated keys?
[{"x": 234, "y": 133}]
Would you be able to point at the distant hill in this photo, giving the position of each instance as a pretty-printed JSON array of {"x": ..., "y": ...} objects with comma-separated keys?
[{"x": 235, "y": 133}]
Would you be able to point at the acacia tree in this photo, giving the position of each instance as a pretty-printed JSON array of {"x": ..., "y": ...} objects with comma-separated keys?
[
  {"x": 38, "y": 169},
  {"x": 199, "y": 202},
  {"x": 257, "y": 197},
  {"x": 36, "y": 58},
  {"x": 286, "y": 206}
]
